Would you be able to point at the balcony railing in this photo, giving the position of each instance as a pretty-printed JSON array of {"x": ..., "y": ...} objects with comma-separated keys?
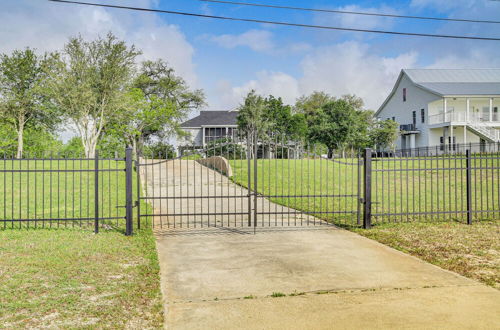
[
  {"x": 408, "y": 128},
  {"x": 461, "y": 117}
]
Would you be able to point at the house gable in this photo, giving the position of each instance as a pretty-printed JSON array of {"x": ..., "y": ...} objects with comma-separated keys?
[
  {"x": 404, "y": 81},
  {"x": 212, "y": 119}
]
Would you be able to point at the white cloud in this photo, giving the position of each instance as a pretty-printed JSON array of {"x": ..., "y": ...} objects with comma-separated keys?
[
  {"x": 257, "y": 40},
  {"x": 469, "y": 60},
  {"x": 350, "y": 68},
  {"x": 357, "y": 21},
  {"x": 443, "y": 5},
  {"x": 345, "y": 68},
  {"x": 266, "y": 83},
  {"x": 47, "y": 26}
]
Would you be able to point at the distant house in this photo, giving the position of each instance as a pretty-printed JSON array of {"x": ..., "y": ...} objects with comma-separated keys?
[
  {"x": 444, "y": 107},
  {"x": 209, "y": 126}
]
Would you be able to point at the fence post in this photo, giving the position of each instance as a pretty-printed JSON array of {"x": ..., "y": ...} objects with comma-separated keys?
[
  {"x": 139, "y": 187},
  {"x": 255, "y": 179},
  {"x": 249, "y": 179},
  {"x": 469, "y": 186},
  {"x": 96, "y": 192},
  {"x": 128, "y": 193},
  {"x": 360, "y": 200},
  {"x": 367, "y": 213}
]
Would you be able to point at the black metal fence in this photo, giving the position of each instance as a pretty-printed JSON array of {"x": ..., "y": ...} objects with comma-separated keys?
[
  {"x": 255, "y": 183},
  {"x": 52, "y": 191},
  {"x": 463, "y": 187},
  {"x": 446, "y": 149}
]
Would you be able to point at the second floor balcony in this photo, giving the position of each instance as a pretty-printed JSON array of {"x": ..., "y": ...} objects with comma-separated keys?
[
  {"x": 462, "y": 117},
  {"x": 465, "y": 110}
]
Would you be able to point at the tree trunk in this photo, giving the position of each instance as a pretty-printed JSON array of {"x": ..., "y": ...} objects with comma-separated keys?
[
  {"x": 20, "y": 139},
  {"x": 90, "y": 147},
  {"x": 135, "y": 151}
]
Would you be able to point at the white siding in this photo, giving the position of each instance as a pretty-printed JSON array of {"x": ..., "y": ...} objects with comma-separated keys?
[
  {"x": 416, "y": 99},
  {"x": 195, "y": 137}
]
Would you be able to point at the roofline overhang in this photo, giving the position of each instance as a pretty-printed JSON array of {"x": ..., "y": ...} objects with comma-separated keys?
[
  {"x": 208, "y": 126},
  {"x": 398, "y": 81},
  {"x": 475, "y": 96},
  {"x": 230, "y": 126},
  {"x": 391, "y": 93}
]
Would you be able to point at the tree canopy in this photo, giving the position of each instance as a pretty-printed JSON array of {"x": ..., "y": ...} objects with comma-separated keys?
[
  {"x": 156, "y": 104},
  {"x": 90, "y": 84},
  {"x": 23, "y": 99},
  {"x": 269, "y": 117}
]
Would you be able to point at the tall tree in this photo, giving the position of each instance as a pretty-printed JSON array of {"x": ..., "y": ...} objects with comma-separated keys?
[
  {"x": 91, "y": 82},
  {"x": 156, "y": 105},
  {"x": 22, "y": 97},
  {"x": 269, "y": 116},
  {"x": 363, "y": 123},
  {"x": 282, "y": 121},
  {"x": 384, "y": 134},
  {"x": 310, "y": 104},
  {"x": 333, "y": 125},
  {"x": 252, "y": 116}
]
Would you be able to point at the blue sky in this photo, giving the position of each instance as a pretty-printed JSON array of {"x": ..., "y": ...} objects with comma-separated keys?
[{"x": 227, "y": 59}]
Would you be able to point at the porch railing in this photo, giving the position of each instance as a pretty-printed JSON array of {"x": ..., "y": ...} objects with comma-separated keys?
[{"x": 462, "y": 117}]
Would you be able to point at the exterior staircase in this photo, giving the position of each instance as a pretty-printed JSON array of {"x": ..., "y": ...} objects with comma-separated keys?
[{"x": 488, "y": 133}]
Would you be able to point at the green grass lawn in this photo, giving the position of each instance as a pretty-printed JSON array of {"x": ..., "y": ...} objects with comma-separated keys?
[
  {"x": 69, "y": 277},
  {"x": 441, "y": 190},
  {"x": 72, "y": 278},
  {"x": 472, "y": 251}
]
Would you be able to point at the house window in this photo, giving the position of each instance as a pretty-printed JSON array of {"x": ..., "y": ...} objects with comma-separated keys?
[
  {"x": 422, "y": 115},
  {"x": 414, "y": 114},
  {"x": 217, "y": 133},
  {"x": 452, "y": 143},
  {"x": 404, "y": 94}
]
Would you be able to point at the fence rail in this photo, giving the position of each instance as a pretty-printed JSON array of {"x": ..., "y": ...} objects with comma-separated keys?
[
  {"x": 59, "y": 191},
  {"x": 451, "y": 187},
  {"x": 270, "y": 183},
  {"x": 444, "y": 149}
]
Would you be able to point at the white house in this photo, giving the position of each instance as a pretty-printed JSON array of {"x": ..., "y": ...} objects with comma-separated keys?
[
  {"x": 444, "y": 107},
  {"x": 209, "y": 126}
]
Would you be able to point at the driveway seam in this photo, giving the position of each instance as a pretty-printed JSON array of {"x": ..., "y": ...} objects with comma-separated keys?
[{"x": 331, "y": 291}]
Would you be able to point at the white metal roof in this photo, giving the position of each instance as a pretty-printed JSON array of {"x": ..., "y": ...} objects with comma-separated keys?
[
  {"x": 453, "y": 75},
  {"x": 450, "y": 82}
]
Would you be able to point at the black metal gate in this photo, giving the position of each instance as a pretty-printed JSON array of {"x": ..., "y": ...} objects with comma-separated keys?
[{"x": 247, "y": 183}]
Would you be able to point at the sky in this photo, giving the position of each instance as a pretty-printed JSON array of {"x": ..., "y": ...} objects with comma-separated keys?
[{"x": 228, "y": 59}]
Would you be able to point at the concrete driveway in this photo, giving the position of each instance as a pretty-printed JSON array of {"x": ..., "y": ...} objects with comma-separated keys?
[{"x": 225, "y": 278}]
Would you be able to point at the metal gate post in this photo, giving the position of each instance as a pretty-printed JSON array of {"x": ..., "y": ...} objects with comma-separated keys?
[
  {"x": 469, "y": 186},
  {"x": 96, "y": 192},
  {"x": 139, "y": 187},
  {"x": 128, "y": 187},
  {"x": 367, "y": 214},
  {"x": 360, "y": 200},
  {"x": 249, "y": 178},
  {"x": 255, "y": 180}
]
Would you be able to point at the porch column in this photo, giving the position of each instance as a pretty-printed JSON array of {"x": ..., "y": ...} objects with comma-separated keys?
[
  {"x": 445, "y": 138},
  {"x": 412, "y": 141},
  {"x": 445, "y": 109},
  {"x": 451, "y": 137},
  {"x": 465, "y": 134},
  {"x": 203, "y": 137},
  {"x": 491, "y": 109},
  {"x": 467, "y": 110}
]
